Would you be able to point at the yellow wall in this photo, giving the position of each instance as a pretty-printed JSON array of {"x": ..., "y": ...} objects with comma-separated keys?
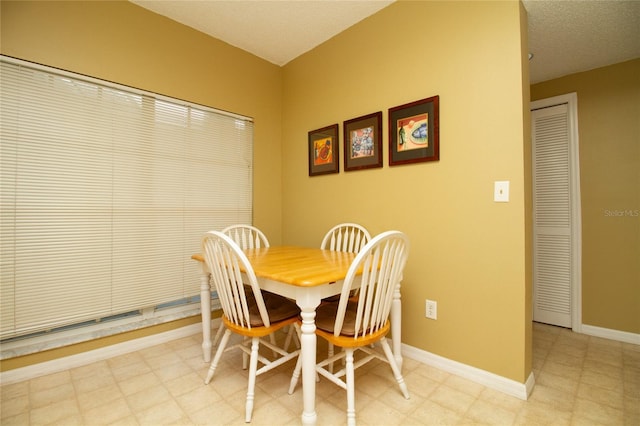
[
  {"x": 609, "y": 138},
  {"x": 467, "y": 252}
]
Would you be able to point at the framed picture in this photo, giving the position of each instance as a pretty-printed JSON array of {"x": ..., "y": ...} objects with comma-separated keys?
[
  {"x": 414, "y": 132},
  {"x": 363, "y": 142},
  {"x": 323, "y": 151}
]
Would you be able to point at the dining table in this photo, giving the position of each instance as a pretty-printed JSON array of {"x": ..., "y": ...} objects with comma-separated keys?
[{"x": 306, "y": 275}]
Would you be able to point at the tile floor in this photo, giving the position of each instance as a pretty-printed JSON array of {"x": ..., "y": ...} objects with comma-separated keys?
[{"x": 580, "y": 380}]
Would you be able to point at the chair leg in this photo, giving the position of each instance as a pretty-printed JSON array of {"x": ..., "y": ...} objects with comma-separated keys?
[
  {"x": 291, "y": 335},
  {"x": 253, "y": 367},
  {"x": 216, "y": 358},
  {"x": 351, "y": 391},
  {"x": 272, "y": 339},
  {"x": 245, "y": 357},
  {"x": 329, "y": 355},
  {"x": 295, "y": 376},
  {"x": 221, "y": 328},
  {"x": 394, "y": 367}
]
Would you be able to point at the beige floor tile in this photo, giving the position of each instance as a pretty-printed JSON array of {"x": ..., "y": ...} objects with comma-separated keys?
[
  {"x": 50, "y": 396},
  {"x": 632, "y": 411},
  {"x": 276, "y": 384},
  {"x": 483, "y": 412},
  {"x": 163, "y": 361},
  {"x": 586, "y": 411},
  {"x": 330, "y": 414},
  {"x": 14, "y": 390},
  {"x": 98, "y": 397},
  {"x": 50, "y": 381},
  {"x": 54, "y": 412},
  {"x": 172, "y": 371},
  {"x": 164, "y": 413},
  {"x": 16, "y": 420},
  {"x": 93, "y": 369},
  {"x": 73, "y": 420},
  {"x": 124, "y": 360},
  {"x": 601, "y": 380},
  {"x": 393, "y": 397},
  {"x": 580, "y": 380},
  {"x": 606, "y": 353},
  {"x": 377, "y": 412},
  {"x": 94, "y": 382},
  {"x": 554, "y": 399},
  {"x": 502, "y": 400},
  {"x": 612, "y": 398},
  {"x": 564, "y": 384},
  {"x": 154, "y": 351},
  {"x": 432, "y": 373},
  {"x": 272, "y": 413},
  {"x": 630, "y": 358},
  {"x": 184, "y": 383},
  {"x": 453, "y": 399},
  {"x": 431, "y": 413},
  {"x": 128, "y": 421},
  {"x": 375, "y": 385},
  {"x": 419, "y": 385},
  {"x": 216, "y": 412},
  {"x": 148, "y": 397},
  {"x": 107, "y": 413},
  {"x": 542, "y": 414},
  {"x": 139, "y": 383},
  {"x": 464, "y": 385},
  {"x": 615, "y": 372},
  {"x": 198, "y": 399},
  {"x": 569, "y": 371},
  {"x": 12, "y": 407},
  {"x": 123, "y": 372}
]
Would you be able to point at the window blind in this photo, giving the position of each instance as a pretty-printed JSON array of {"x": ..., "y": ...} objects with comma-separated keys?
[{"x": 105, "y": 193}]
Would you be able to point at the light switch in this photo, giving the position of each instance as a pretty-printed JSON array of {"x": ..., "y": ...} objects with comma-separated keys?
[{"x": 501, "y": 191}]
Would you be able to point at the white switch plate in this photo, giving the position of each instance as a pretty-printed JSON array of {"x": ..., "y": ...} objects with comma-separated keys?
[{"x": 501, "y": 191}]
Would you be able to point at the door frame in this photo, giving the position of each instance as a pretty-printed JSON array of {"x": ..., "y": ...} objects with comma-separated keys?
[{"x": 571, "y": 99}]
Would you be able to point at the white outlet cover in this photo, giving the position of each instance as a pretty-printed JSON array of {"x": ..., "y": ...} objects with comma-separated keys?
[{"x": 501, "y": 191}]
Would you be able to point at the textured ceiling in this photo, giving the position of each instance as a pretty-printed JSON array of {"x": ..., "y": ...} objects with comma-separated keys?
[
  {"x": 275, "y": 30},
  {"x": 565, "y": 36}
]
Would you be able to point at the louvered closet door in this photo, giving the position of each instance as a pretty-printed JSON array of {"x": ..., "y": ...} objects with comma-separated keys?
[{"x": 552, "y": 216}]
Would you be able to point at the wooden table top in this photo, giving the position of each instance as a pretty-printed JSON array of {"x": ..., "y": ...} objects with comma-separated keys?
[{"x": 299, "y": 266}]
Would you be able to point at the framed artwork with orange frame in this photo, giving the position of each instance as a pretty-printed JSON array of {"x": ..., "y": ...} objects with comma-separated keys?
[{"x": 324, "y": 155}]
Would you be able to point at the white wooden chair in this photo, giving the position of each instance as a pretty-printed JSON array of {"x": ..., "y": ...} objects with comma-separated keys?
[
  {"x": 245, "y": 311},
  {"x": 347, "y": 237},
  {"x": 246, "y": 236},
  {"x": 355, "y": 324}
]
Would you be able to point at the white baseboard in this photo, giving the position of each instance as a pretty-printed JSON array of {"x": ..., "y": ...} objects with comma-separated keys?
[
  {"x": 485, "y": 378},
  {"x": 607, "y": 333},
  {"x": 84, "y": 358}
]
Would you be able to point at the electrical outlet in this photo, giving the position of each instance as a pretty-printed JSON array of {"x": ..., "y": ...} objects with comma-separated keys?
[{"x": 432, "y": 309}]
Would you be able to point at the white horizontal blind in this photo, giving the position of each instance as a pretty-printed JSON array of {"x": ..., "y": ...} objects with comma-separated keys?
[{"x": 106, "y": 192}]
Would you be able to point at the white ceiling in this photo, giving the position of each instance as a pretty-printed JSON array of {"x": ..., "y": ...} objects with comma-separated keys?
[{"x": 565, "y": 36}]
